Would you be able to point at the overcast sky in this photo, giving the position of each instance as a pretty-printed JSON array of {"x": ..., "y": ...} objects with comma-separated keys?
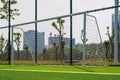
[{"x": 52, "y": 8}]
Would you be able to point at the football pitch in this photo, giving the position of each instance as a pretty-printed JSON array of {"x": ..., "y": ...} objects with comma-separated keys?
[{"x": 58, "y": 73}]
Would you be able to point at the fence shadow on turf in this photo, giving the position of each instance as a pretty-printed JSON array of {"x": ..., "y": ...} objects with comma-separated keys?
[{"x": 81, "y": 68}]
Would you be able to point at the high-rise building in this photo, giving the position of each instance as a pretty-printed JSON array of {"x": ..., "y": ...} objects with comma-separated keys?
[
  {"x": 29, "y": 39},
  {"x": 52, "y": 40}
]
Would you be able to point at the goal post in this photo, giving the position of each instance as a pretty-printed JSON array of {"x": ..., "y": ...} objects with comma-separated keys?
[{"x": 93, "y": 47}]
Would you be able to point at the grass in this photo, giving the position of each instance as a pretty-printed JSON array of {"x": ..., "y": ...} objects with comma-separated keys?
[
  {"x": 15, "y": 75},
  {"x": 35, "y": 75},
  {"x": 65, "y": 68}
]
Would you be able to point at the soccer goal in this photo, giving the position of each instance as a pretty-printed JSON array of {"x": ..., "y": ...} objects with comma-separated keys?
[{"x": 93, "y": 47}]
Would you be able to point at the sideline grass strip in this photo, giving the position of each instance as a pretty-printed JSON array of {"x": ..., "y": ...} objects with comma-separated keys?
[
  {"x": 65, "y": 68},
  {"x": 59, "y": 71}
]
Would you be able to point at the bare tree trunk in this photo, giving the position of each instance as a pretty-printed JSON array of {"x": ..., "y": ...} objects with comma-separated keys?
[
  {"x": 18, "y": 53},
  {"x": 119, "y": 52},
  {"x": 44, "y": 54},
  {"x": 56, "y": 52},
  {"x": 106, "y": 52},
  {"x": 27, "y": 54},
  {"x": 62, "y": 50},
  {"x": 111, "y": 50}
]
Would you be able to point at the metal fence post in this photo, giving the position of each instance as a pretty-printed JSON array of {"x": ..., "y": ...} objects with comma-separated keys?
[
  {"x": 35, "y": 32},
  {"x": 70, "y": 33},
  {"x": 116, "y": 34},
  {"x": 9, "y": 32},
  {"x": 84, "y": 41},
  {"x": 12, "y": 47}
]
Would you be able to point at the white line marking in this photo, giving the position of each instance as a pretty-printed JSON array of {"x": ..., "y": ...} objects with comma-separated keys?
[{"x": 62, "y": 71}]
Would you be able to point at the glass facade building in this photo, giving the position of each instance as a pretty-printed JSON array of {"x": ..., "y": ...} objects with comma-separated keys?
[
  {"x": 52, "y": 40},
  {"x": 29, "y": 39}
]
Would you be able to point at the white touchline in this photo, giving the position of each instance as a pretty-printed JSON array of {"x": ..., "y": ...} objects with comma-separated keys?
[{"x": 62, "y": 71}]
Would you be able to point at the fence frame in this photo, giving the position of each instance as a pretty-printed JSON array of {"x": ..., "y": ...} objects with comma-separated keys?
[{"x": 43, "y": 20}]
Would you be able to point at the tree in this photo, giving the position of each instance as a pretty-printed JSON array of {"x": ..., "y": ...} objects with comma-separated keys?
[
  {"x": 4, "y": 9},
  {"x": 4, "y": 13},
  {"x": 58, "y": 25},
  {"x": 77, "y": 52},
  {"x": 55, "y": 45},
  {"x": 111, "y": 44},
  {"x": 26, "y": 48},
  {"x": 17, "y": 41},
  {"x": 2, "y": 43},
  {"x": 106, "y": 43},
  {"x": 44, "y": 54}
]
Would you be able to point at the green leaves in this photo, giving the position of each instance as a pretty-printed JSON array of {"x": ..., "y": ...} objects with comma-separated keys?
[
  {"x": 60, "y": 21},
  {"x": 3, "y": 1},
  {"x": 2, "y": 43},
  {"x": 58, "y": 25},
  {"x": 13, "y": 2},
  {"x": 4, "y": 10},
  {"x": 55, "y": 26},
  {"x": 2, "y": 39},
  {"x": 17, "y": 37}
]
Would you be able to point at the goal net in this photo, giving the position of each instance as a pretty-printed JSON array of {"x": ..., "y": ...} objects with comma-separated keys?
[{"x": 95, "y": 51}]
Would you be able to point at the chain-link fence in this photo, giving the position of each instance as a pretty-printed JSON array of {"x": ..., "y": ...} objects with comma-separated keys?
[{"x": 53, "y": 42}]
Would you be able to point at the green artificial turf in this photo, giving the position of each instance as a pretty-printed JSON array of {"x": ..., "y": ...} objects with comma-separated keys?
[
  {"x": 65, "y": 68},
  {"x": 23, "y": 75},
  {"x": 34, "y": 75}
]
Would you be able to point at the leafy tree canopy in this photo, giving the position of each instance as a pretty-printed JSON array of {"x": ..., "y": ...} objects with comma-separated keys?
[{"x": 4, "y": 9}]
